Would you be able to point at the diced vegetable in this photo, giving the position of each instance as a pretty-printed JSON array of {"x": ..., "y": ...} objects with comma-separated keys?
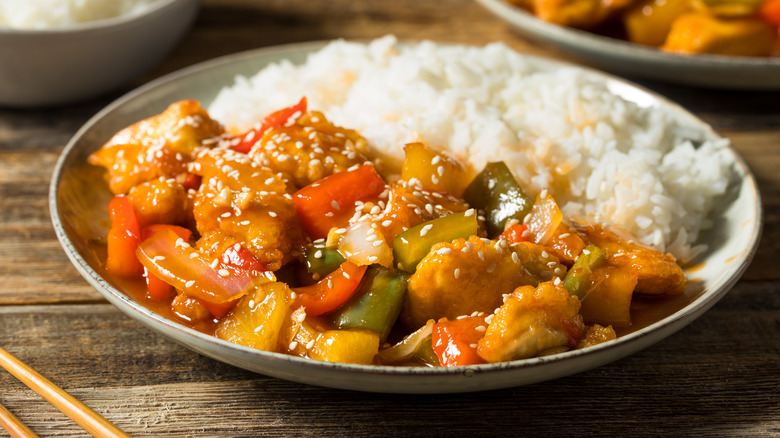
[
  {"x": 516, "y": 233},
  {"x": 258, "y": 317},
  {"x": 455, "y": 342},
  {"x": 331, "y": 292},
  {"x": 609, "y": 300},
  {"x": 497, "y": 193},
  {"x": 123, "y": 239},
  {"x": 412, "y": 245},
  {"x": 329, "y": 202},
  {"x": 544, "y": 218},
  {"x": 158, "y": 289},
  {"x": 577, "y": 280},
  {"x": 347, "y": 346},
  {"x": 435, "y": 171},
  {"x": 377, "y": 304},
  {"x": 364, "y": 244},
  {"x": 238, "y": 257},
  {"x": 409, "y": 345},
  {"x": 321, "y": 260},
  {"x": 425, "y": 353},
  {"x": 770, "y": 12},
  {"x": 167, "y": 256},
  {"x": 649, "y": 21},
  {"x": 244, "y": 142}
]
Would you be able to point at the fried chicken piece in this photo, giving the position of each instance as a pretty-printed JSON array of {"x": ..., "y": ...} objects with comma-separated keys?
[
  {"x": 161, "y": 201},
  {"x": 532, "y": 320},
  {"x": 473, "y": 275},
  {"x": 160, "y": 146},
  {"x": 240, "y": 201},
  {"x": 410, "y": 205},
  {"x": 310, "y": 149},
  {"x": 657, "y": 273}
]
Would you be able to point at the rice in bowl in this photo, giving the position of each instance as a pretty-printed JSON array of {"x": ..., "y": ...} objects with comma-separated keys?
[{"x": 600, "y": 155}]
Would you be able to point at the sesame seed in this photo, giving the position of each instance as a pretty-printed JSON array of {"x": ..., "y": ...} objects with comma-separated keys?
[
  {"x": 515, "y": 257},
  {"x": 434, "y": 179},
  {"x": 214, "y": 263},
  {"x": 564, "y": 235},
  {"x": 373, "y": 259},
  {"x": 318, "y": 254},
  {"x": 377, "y": 244},
  {"x": 310, "y": 344},
  {"x": 330, "y": 284},
  {"x": 481, "y": 255},
  {"x": 465, "y": 250},
  {"x": 425, "y": 229},
  {"x": 480, "y": 328},
  {"x": 189, "y": 284},
  {"x": 258, "y": 328},
  {"x": 436, "y": 160},
  {"x": 301, "y": 317},
  {"x": 543, "y": 194},
  {"x": 224, "y": 273},
  {"x": 456, "y": 273},
  {"x": 440, "y": 170},
  {"x": 293, "y": 344},
  {"x": 270, "y": 181},
  {"x": 545, "y": 255},
  {"x": 272, "y": 213},
  {"x": 585, "y": 251},
  {"x": 335, "y": 205},
  {"x": 341, "y": 231},
  {"x": 557, "y": 281},
  {"x": 347, "y": 276},
  {"x": 491, "y": 268},
  {"x": 473, "y": 345},
  {"x": 445, "y": 251},
  {"x": 470, "y": 212}
]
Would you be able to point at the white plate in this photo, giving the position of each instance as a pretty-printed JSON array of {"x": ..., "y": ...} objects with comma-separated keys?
[
  {"x": 79, "y": 216},
  {"x": 622, "y": 57}
]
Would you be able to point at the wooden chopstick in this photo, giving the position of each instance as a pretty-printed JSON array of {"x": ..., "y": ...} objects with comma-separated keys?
[
  {"x": 90, "y": 420},
  {"x": 13, "y": 425}
]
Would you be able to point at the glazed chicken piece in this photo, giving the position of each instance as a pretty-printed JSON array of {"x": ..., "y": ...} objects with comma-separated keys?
[
  {"x": 532, "y": 320},
  {"x": 657, "y": 273},
  {"x": 310, "y": 149},
  {"x": 160, "y": 146},
  {"x": 242, "y": 202},
  {"x": 161, "y": 201},
  {"x": 473, "y": 275},
  {"x": 576, "y": 13},
  {"x": 410, "y": 205}
]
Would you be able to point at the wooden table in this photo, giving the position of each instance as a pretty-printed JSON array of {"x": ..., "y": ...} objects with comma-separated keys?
[{"x": 718, "y": 376}]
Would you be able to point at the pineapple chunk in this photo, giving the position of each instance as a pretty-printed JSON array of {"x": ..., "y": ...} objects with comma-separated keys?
[
  {"x": 257, "y": 319},
  {"x": 349, "y": 346},
  {"x": 436, "y": 172}
]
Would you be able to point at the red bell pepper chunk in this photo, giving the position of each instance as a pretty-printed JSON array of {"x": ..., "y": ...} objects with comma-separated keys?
[
  {"x": 770, "y": 12},
  {"x": 123, "y": 239},
  {"x": 171, "y": 259},
  {"x": 331, "y": 292},
  {"x": 240, "y": 258},
  {"x": 156, "y": 288},
  {"x": 329, "y": 202},
  {"x": 516, "y": 233},
  {"x": 454, "y": 342},
  {"x": 192, "y": 182},
  {"x": 274, "y": 120}
]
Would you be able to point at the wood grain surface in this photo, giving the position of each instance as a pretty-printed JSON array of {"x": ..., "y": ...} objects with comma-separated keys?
[{"x": 720, "y": 376}]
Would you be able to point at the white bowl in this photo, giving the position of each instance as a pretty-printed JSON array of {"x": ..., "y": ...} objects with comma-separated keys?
[
  {"x": 625, "y": 58},
  {"x": 79, "y": 217},
  {"x": 72, "y": 63}
]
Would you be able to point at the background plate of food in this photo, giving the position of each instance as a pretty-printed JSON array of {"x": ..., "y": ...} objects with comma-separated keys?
[
  {"x": 454, "y": 196},
  {"x": 693, "y": 42}
]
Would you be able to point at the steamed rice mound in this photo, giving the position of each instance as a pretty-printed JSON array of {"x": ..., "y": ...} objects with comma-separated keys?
[{"x": 601, "y": 156}]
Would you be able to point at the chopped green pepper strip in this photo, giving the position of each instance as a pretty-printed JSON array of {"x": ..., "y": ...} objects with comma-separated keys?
[
  {"x": 322, "y": 260},
  {"x": 376, "y": 304},
  {"x": 576, "y": 280},
  {"x": 410, "y": 246},
  {"x": 426, "y": 353},
  {"x": 497, "y": 193}
]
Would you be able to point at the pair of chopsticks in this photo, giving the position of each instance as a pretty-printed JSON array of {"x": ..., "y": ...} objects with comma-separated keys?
[{"x": 90, "y": 420}]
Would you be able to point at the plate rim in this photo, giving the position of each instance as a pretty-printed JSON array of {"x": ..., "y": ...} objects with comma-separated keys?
[{"x": 598, "y": 354}]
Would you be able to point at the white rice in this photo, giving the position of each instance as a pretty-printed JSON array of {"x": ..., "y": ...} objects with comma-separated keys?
[
  {"x": 47, "y": 14},
  {"x": 601, "y": 156}
]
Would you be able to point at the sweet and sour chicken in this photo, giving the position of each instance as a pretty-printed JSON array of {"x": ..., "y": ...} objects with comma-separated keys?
[{"x": 288, "y": 238}]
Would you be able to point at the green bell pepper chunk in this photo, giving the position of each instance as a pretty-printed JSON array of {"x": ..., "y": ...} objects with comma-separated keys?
[
  {"x": 410, "y": 246},
  {"x": 322, "y": 260},
  {"x": 496, "y": 192},
  {"x": 376, "y": 305},
  {"x": 576, "y": 279}
]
